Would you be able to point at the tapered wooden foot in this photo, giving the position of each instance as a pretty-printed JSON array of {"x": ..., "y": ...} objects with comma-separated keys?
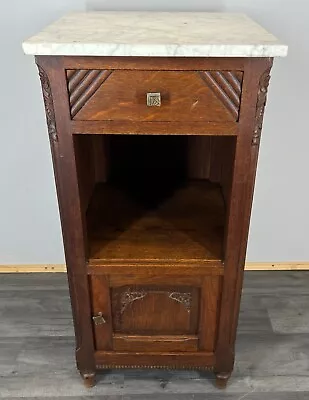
[
  {"x": 89, "y": 379},
  {"x": 221, "y": 379}
]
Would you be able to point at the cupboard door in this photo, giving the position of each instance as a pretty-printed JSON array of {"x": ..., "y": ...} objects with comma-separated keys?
[{"x": 155, "y": 314}]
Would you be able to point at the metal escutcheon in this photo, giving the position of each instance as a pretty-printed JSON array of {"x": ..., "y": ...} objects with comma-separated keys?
[
  {"x": 154, "y": 99},
  {"x": 99, "y": 319}
]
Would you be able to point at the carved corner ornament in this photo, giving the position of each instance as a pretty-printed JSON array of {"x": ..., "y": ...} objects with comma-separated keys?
[
  {"x": 79, "y": 93},
  {"x": 49, "y": 105},
  {"x": 129, "y": 297},
  {"x": 182, "y": 298},
  {"x": 260, "y": 106},
  {"x": 226, "y": 86}
]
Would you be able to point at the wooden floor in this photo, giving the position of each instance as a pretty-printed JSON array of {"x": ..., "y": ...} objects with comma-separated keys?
[{"x": 37, "y": 346}]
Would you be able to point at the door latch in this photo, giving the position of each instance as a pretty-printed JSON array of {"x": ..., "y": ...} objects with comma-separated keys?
[{"x": 99, "y": 319}]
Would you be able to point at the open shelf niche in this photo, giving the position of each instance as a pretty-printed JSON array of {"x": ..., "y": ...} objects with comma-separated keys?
[{"x": 154, "y": 199}]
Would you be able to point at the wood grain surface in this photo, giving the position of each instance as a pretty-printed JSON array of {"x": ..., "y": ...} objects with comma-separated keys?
[
  {"x": 187, "y": 226},
  {"x": 149, "y": 216},
  {"x": 185, "y": 96}
]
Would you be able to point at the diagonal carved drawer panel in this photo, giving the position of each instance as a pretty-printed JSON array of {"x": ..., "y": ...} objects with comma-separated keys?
[
  {"x": 82, "y": 85},
  {"x": 134, "y": 95}
]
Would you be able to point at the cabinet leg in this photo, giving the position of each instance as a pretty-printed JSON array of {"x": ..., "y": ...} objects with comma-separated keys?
[
  {"x": 88, "y": 378},
  {"x": 221, "y": 379}
]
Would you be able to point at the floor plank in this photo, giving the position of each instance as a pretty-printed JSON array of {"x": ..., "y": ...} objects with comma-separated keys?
[{"x": 37, "y": 346}]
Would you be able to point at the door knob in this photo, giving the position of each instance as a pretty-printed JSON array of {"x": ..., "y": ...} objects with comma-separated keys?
[{"x": 154, "y": 99}]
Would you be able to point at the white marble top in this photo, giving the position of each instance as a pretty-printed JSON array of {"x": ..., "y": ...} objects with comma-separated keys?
[{"x": 161, "y": 34}]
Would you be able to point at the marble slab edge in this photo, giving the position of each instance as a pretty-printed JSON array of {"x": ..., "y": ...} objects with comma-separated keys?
[{"x": 139, "y": 50}]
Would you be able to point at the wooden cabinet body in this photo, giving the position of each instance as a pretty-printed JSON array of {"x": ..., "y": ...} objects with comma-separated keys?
[{"x": 155, "y": 163}]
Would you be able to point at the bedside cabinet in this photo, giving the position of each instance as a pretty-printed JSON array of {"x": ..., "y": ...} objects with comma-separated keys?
[{"x": 154, "y": 122}]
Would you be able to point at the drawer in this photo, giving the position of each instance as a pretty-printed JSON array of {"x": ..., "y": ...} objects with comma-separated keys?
[{"x": 135, "y": 95}]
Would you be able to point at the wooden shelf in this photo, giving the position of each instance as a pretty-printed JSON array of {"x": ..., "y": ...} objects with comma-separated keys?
[{"x": 185, "y": 227}]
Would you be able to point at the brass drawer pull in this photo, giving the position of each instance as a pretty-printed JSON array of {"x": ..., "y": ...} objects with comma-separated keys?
[
  {"x": 99, "y": 319},
  {"x": 154, "y": 99}
]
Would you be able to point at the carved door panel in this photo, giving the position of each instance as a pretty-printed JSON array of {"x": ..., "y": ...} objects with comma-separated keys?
[
  {"x": 155, "y": 314},
  {"x": 151, "y": 310}
]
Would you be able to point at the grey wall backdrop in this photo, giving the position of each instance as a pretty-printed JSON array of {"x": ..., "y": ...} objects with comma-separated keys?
[{"x": 29, "y": 220}]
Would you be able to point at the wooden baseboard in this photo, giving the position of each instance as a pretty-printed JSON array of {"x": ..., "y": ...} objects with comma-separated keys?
[
  {"x": 30, "y": 268},
  {"x": 283, "y": 266},
  {"x": 250, "y": 266}
]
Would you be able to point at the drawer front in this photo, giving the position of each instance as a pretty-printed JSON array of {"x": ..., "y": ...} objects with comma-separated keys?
[
  {"x": 134, "y": 95},
  {"x": 166, "y": 316}
]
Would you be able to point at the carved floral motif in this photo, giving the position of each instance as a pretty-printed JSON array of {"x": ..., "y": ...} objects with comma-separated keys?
[
  {"x": 183, "y": 298},
  {"x": 129, "y": 297},
  {"x": 49, "y": 105},
  {"x": 260, "y": 106}
]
